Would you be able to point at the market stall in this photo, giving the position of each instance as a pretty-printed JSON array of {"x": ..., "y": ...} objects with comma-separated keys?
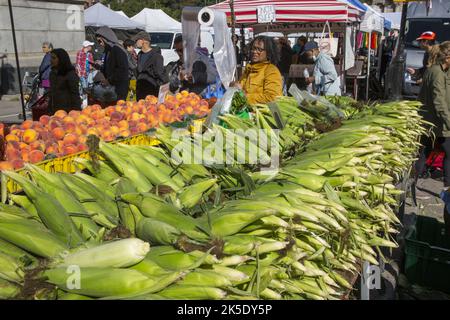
[{"x": 310, "y": 17}]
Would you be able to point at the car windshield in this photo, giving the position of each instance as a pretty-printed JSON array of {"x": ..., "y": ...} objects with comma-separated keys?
[
  {"x": 163, "y": 40},
  {"x": 415, "y": 27}
]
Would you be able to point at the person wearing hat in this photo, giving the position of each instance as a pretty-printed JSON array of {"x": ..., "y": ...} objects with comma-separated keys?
[
  {"x": 325, "y": 79},
  {"x": 426, "y": 42},
  {"x": 150, "y": 67},
  {"x": 115, "y": 65},
  {"x": 84, "y": 62}
]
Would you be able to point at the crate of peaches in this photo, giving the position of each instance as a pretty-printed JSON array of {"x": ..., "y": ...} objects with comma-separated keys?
[{"x": 65, "y": 133}]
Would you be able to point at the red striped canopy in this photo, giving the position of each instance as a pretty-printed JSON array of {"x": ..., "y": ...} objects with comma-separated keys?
[{"x": 293, "y": 11}]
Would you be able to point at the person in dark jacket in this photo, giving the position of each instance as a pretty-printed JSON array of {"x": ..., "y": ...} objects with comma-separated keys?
[
  {"x": 64, "y": 91},
  {"x": 150, "y": 67},
  {"x": 115, "y": 66},
  {"x": 435, "y": 96},
  {"x": 286, "y": 57},
  {"x": 45, "y": 67}
]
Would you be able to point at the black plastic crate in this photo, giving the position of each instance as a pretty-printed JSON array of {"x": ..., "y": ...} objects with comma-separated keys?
[{"x": 427, "y": 254}]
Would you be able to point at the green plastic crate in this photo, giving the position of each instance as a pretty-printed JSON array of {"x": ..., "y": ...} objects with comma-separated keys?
[{"x": 427, "y": 252}]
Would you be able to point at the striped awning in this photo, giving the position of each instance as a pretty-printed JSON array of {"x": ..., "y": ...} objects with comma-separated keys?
[{"x": 246, "y": 11}]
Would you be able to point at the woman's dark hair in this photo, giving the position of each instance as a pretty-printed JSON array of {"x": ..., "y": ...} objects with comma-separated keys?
[
  {"x": 64, "y": 64},
  {"x": 128, "y": 43},
  {"x": 178, "y": 39},
  {"x": 270, "y": 47}
]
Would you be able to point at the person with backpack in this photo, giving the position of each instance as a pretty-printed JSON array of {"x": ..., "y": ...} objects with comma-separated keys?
[
  {"x": 150, "y": 67},
  {"x": 46, "y": 66}
]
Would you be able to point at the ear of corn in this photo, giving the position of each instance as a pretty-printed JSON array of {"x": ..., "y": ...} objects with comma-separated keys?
[
  {"x": 17, "y": 253},
  {"x": 190, "y": 196},
  {"x": 180, "y": 292},
  {"x": 115, "y": 254},
  {"x": 32, "y": 237},
  {"x": 157, "y": 232},
  {"x": 8, "y": 290},
  {"x": 10, "y": 269},
  {"x": 52, "y": 214}
]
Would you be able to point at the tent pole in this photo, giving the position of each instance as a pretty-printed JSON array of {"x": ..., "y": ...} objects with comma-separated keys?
[
  {"x": 343, "y": 66},
  {"x": 368, "y": 66},
  {"x": 13, "y": 29}
]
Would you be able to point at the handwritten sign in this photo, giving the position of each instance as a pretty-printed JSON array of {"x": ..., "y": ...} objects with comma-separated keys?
[
  {"x": 163, "y": 91},
  {"x": 266, "y": 14}
]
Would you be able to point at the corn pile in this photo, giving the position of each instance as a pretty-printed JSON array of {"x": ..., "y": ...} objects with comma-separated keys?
[{"x": 211, "y": 232}]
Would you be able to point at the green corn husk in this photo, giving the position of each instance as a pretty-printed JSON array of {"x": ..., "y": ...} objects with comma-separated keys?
[
  {"x": 157, "y": 232},
  {"x": 115, "y": 254},
  {"x": 32, "y": 237},
  {"x": 26, "y": 204},
  {"x": 107, "y": 282},
  {"x": 205, "y": 278},
  {"x": 15, "y": 252},
  {"x": 52, "y": 214},
  {"x": 10, "y": 269},
  {"x": 72, "y": 296},
  {"x": 192, "y": 293},
  {"x": 192, "y": 195},
  {"x": 8, "y": 290}
]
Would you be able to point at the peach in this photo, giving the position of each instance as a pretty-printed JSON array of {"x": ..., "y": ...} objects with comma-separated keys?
[
  {"x": 70, "y": 149},
  {"x": 18, "y": 164},
  {"x": 52, "y": 149},
  {"x": 12, "y": 137},
  {"x": 61, "y": 114},
  {"x": 142, "y": 127},
  {"x": 116, "y": 116},
  {"x": 68, "y": 119},
  {"x": 82, "y": 147},
  {"x": 96, "y": 107},
  {"x": 45, "y": 135},
  {"x": 25, "y": 155},
  {"x": 30, "y": 136},
  {"x": 17, "y": 132},
  {"x": 123, "y": 124},
  {"x": 6, "y": 165},
  {"x": 134, "y": 131},
  {"x": 37, "y": 145},
  {"x": 36, "y": 156},
  {"x": 82, "y": 139},
  {"x": 81, "y": 119},
  {"x": 115, "y": 130},
  {"x": 121, "y": 102},
  {"x": 54, "y": 123},
  {"x": 74, "y": 113},
  {"x": 23, "y": 145},
  {"x": 44, "y": 120},
  {"x": 70, "y": 127},
  {"x": 110, "y": 110},
  {"x": 92, "y": 131},
  {"x": 132, "y": 123},
  {"x": 27, "y": 124},
  {"x": 70, "y": 138},
  {"x": 12, "y": 153},
  {"x": 2, "y": 129},
  {"x": 108, "y": 136},
  {"x": 58, "y": 133},
  {"x": 135, "y": 116},
  {"x": 125, "y": 133}
]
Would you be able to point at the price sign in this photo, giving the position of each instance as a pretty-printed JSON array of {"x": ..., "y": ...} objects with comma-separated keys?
[
  {"x": 266, "y": 14},
  {"x": 163, "y": 91}
]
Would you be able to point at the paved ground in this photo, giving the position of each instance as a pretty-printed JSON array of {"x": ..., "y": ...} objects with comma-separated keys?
[{"x": 10, "y": 109}]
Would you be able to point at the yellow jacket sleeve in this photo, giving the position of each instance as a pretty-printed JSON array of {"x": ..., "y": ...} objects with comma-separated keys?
[{"x": 272, "y": 87}]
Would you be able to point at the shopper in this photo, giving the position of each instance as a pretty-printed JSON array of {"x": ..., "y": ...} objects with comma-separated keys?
[
  {"x": 132, "y": 67},
  {"x": 285, "y": 61},
  {"x": 150, "y": 67},
  {"x": 115, "y": 65},
  {"x": 45, "y": 67},
  {"x": 84, "y": 62},
  {"x": 387, "y": 51},
  {"x": 426, "y": 42},
  {"x": 300, "y": 45},
  {"x": 64, "y": 91},
  {"x": 325, "y": 79},
  {"x": 262, "y": 81}
]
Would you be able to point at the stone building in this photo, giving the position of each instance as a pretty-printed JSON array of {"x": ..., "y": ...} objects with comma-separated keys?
[
  {"x": 59, "y": 22},
  {"x": 385, "y": 5}
]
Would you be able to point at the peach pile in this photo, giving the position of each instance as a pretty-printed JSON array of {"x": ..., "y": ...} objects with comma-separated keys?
[{"x": 66, "y": 133}]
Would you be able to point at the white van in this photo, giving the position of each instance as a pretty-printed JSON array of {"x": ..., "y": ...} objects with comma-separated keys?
[{"x": 165, "y": 41}]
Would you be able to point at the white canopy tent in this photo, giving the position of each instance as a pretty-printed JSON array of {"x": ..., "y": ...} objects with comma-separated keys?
[
  {"x": 394, "y": 17},
  {"x": 372, "y": 21},
  {"x": 101, "y": 16},
  {"x": 122, "y": 13},
  {"x": 156, "y": 20}
]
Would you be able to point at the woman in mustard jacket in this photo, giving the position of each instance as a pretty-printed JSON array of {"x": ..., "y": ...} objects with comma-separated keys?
[{"x": 262, "y": 81}]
